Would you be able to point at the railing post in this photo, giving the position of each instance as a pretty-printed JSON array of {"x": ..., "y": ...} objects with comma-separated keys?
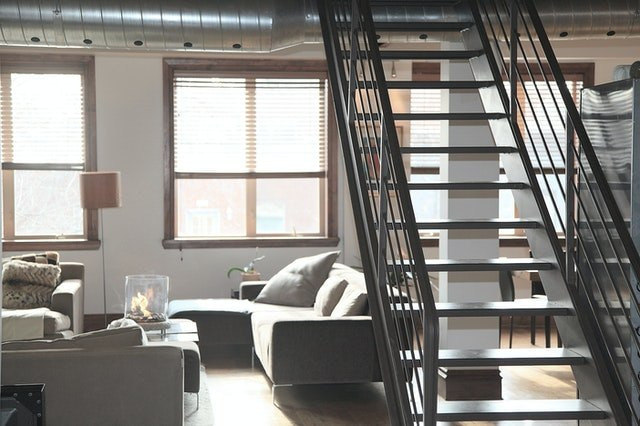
[
  {"x": 513, "y": 73},
  {"x": 570, "y": 206}
]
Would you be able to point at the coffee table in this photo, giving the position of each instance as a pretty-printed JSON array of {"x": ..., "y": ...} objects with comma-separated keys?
[{"x": 178, "y": 330}]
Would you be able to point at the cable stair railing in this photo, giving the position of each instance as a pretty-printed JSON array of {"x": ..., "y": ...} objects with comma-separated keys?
[{"x": 401, "y": 296}]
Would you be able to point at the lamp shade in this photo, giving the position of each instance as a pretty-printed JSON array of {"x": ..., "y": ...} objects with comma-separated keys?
[{"x": 99, "y": 190}]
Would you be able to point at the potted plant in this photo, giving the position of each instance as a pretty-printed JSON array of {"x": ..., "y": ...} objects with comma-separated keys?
[{"x": 248, "y": 272}]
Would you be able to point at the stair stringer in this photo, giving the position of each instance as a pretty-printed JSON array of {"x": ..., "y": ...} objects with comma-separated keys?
[{"x": 591, "y": 377}]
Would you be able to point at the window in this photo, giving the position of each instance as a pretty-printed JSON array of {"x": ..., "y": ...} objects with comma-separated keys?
[
  {"x": 47, "y": 126},
  {"x": 249, "y": 154}
]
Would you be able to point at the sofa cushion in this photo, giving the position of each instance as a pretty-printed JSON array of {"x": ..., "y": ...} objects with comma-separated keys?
[
  {"x": 353, "y": 302},
  {"x": 101, "y": 339},
  {"x": 297, "y": 283},
  {"x": 329, "y": 295},
  {"x": 55, "y": 322},
  {"x": 300, "y": 347},
  {"x": 262, "y": 330}
]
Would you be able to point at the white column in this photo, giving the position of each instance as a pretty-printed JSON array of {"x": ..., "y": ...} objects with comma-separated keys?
[{"x": 464, "y": 333}]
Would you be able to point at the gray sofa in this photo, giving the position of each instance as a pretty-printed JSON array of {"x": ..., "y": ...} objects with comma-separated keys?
[
  {"x": 65, "y": 317},
  {"x": 101, "y": 381},
  {"x": 294, "y": 345}
]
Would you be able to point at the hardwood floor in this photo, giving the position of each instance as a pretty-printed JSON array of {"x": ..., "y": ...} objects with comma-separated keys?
[{"x": 242, "y": 396}]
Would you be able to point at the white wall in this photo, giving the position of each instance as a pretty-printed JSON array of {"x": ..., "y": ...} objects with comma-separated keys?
[
  {"x": 130, "y": 139},
  {"x": 129, "y": 130}
]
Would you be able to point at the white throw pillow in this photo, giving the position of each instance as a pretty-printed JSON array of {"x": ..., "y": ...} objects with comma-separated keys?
[
  {"x": 329, "y": 295},
  {"x": 353, "y": 302},
  {"x": 297, "y": 283}
]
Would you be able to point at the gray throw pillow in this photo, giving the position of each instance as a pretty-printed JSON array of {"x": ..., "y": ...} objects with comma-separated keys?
[
  {"x": 353, "y": 302},
  {"x": 329, "y": 295},
  {"x": 297, "y": 283}
]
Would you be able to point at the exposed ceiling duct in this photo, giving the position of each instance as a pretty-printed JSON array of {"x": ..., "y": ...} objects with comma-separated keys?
[{"x": 253, "y": 25}]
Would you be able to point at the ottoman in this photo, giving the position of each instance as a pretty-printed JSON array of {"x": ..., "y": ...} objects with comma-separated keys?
[{"x": 221, "y": 322}]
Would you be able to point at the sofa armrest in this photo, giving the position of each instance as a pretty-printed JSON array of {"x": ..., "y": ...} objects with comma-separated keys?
[
  {"x": 71, "y": 270},
  {"x": 318, "y": 350},
  {"x": 250, "y": 289},
  {"x": 108, "y": 387},
  {"x": 68, "y": 299}
]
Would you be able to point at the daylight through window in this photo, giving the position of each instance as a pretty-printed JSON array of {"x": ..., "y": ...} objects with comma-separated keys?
[
  {"x": 44, "y": 131},
  {"x": 250, "y": 155}
]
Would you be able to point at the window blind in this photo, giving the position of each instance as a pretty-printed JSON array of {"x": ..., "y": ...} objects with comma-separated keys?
[
  {"x": 533, "y": 107},
  {"x": 42, "y": 119},
  {"x": 425, "y": 132},
  {"x": 244, "y": 125}
]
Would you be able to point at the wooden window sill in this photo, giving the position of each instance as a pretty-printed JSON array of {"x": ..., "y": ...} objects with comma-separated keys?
[
  {"x": 53, "y": 244},
  {"x": 251, "y": 242}
]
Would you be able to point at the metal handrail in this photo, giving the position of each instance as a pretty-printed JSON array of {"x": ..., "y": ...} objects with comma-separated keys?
[
  {"x": 592, "y": 196},
  {"x": 392, "y": 255}
]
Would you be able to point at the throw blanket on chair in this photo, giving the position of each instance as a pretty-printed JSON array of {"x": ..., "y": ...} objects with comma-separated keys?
[{"x": 23, "y": 324}]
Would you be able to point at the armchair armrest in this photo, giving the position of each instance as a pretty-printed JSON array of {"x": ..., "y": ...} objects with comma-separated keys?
[
  {"x": 68, "y": 296},
  {"x": 71, "y": 270},
  {"x": 250, "y": 289}
]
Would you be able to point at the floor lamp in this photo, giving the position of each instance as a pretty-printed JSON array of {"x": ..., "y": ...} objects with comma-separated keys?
[{"x": 98, "y": 191}]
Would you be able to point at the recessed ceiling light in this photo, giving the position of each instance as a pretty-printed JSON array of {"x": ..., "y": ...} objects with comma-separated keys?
[
  {"x": 35, "y": 39},
  {"x": 138, "y": 43},
  {"x": 564, "y": 34}
]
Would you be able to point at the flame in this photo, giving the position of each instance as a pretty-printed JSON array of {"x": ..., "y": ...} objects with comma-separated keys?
[{"x": 140, "y": 303}]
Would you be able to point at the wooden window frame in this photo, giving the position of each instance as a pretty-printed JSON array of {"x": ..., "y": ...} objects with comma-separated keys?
[
  {"x": 248, "y": 68},
  {"x": 45, "y": 63}
]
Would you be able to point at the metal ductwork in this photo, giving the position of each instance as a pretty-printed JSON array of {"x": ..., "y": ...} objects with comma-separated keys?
[{"x": 254, "y": 25}]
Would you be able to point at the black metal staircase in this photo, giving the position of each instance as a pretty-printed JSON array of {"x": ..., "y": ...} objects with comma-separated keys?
[{"x": 504, "y": 42}]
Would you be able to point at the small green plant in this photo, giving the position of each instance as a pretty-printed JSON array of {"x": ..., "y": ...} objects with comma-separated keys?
[{"x": 250, "y": 268}]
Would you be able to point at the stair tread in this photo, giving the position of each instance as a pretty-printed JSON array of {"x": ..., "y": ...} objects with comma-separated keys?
[
  {"x": 500, "y": 357},
  {"x": 430, "y": 54},
  {"x": 524, "y": 307},
  {"x": 495, "y": 264},
  {"x": 432, "y": 85},
  {"x": 422, "y": 26},
  {"x": 538, "y": 409},
  {"x": 450, "y": 116},
  {"x": 437, "y": 116},
  {"x": 425, "y": 186},
  {"x": 471, "y": 224},
  {"x": 470, "y": 149},
  {"x": 419, "y": 54},
  {"x": 519, "y": 307}
]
